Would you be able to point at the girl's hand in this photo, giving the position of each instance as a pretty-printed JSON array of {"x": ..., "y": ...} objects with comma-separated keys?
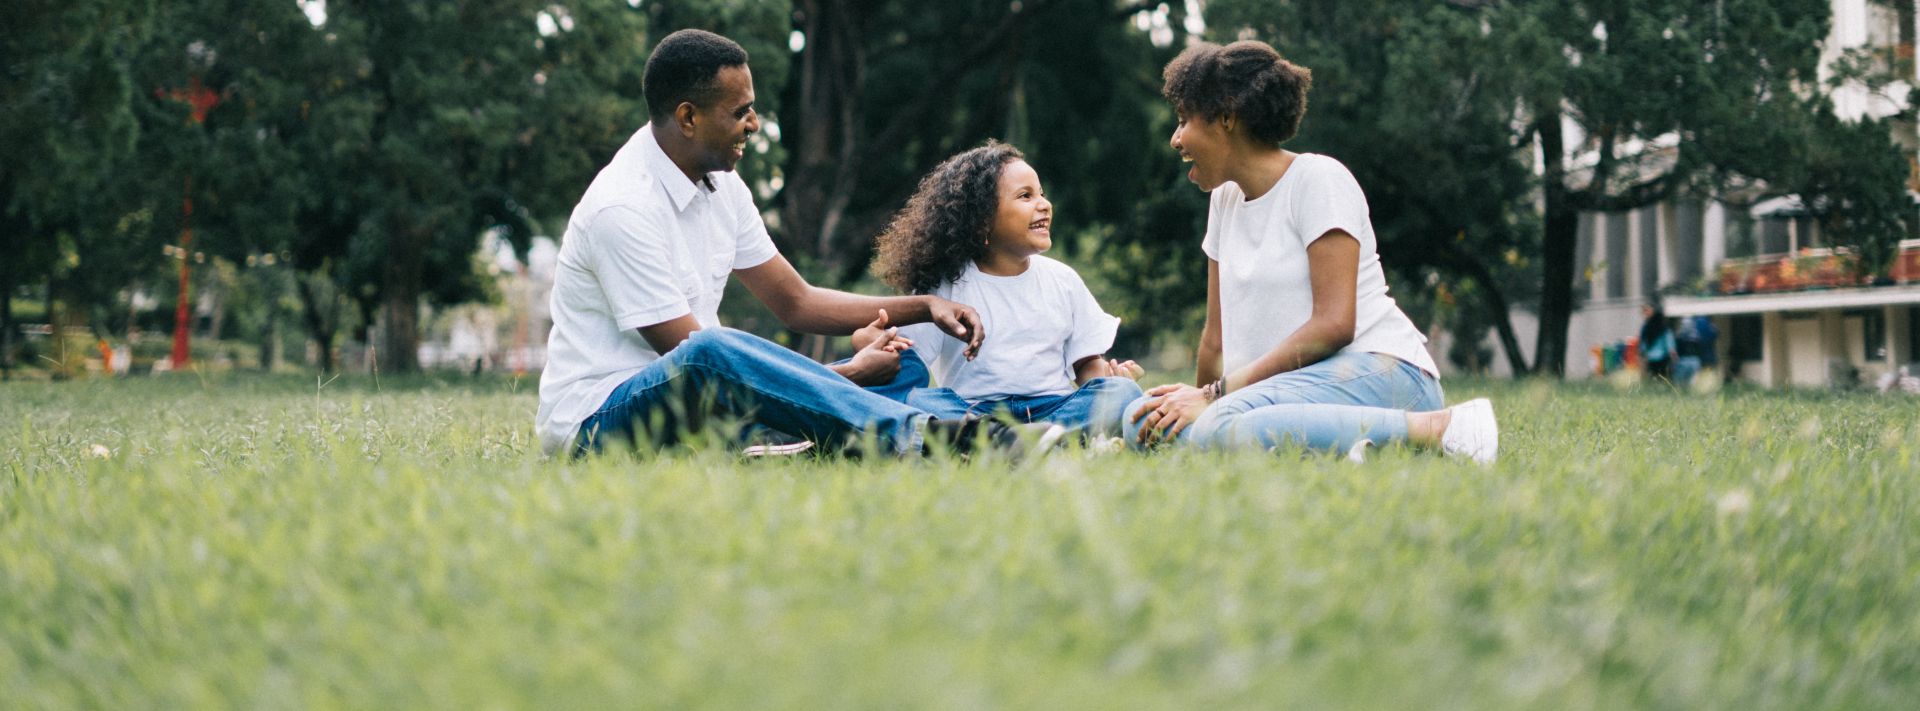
[
  {"x": 1100, "y": 367},
  {"x": 875, "y": 364},
  {"x": 1125, "y": 369},
  {"x": 869, "y": 333},
  {"x": 1174, "y": 409}
]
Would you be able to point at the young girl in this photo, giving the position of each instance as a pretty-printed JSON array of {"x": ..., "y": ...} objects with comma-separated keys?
[
  {"x": 1302, "y": 343},
  {"x": 973, "y": 233}
]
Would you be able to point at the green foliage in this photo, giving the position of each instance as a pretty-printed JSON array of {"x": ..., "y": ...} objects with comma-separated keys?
[
  {"x": 1417, "y": 99},
  {"x": 267, "y": 542},
  {"x": 1438, "y": 107},
  {"x": 68, "y": 128}
]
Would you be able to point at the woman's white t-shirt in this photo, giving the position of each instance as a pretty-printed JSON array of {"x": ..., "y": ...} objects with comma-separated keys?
[
  {"x": 1261, "y": 245},
  {"x": 1038, "y": 325}
]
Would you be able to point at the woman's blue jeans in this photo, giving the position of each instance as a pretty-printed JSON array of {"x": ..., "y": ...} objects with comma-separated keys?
[
  {"x": 1330, "y": 405},
  {"x": 722, "y": 372}
]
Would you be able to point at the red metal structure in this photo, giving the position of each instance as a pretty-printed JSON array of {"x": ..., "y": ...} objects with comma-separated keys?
[{"x": 202, "y": 100}]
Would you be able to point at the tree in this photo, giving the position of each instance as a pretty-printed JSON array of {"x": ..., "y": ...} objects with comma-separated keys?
[
  {"x": 1628, "y": 104},
  {"x": 882, "y": 91},
  {"x": 66, "y": 120},
  {"x": 1732, "y": 86}
]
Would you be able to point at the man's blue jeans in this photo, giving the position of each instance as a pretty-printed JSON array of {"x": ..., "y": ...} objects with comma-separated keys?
[
  {"x": 1330, "y": 405},
  {"x": 1094, "y": 408},
  {"x": 722, "y": 372}
]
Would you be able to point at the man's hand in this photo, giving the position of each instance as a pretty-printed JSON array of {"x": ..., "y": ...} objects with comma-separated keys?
[
  {"x": 1173, "y": 409},
  {"x": 878, "y": 359},
  {"x": 959, "y": 321}
]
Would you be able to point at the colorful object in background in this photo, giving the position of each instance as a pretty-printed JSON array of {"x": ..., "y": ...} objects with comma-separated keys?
[{"x": 1616, "y": 357}]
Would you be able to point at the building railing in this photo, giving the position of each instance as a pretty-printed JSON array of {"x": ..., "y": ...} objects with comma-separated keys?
[{"x": 1812, "y": 268}]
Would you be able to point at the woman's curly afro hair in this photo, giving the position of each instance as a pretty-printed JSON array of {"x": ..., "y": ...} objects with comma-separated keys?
[
  {"x": 945, "y": 224},
  {"x": 1247, "y": 80}
]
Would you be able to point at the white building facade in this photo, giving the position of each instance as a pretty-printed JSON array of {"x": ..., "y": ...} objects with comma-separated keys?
[{"x": 1762, "y": 273}]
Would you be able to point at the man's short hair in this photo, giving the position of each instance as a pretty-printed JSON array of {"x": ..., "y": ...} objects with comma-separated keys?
[
  {"x": 1247, "y": 80},
  {"x": 682, "y": 68}
]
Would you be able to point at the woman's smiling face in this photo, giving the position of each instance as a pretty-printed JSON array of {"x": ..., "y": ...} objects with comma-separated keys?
[
  {"x": 1203, "y": 143},
  {"x": 1023, "y": 224}
]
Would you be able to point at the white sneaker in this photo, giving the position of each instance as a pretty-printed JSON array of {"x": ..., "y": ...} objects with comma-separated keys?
[
  {"x": 1050, "y": 439},
  {"x": 1472, "y": 432},
  {"x": 1358, "y": 453},
  {"x": 777, "y": 449}
]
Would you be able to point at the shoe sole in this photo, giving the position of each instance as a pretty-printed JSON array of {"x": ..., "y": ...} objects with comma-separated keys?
[
  {"x": 1049, "y": 441},
  {"x": 777, "y": 450}
]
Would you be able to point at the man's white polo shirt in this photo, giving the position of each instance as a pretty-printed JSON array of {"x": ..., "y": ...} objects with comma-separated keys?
[{"x": 644, "y": 246}]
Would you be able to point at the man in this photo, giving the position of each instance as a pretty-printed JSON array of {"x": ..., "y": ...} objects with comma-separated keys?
[{"x": 637, "y": 346}]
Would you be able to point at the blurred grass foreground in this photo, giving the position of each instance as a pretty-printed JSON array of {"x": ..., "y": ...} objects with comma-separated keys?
[{"x": 275, "y": 543}]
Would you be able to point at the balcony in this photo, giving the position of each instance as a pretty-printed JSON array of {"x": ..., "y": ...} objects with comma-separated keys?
[{"x": 1810, "y": 269}]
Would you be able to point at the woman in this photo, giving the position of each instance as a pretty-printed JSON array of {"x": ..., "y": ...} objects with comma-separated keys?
[
  {"x": 1656, "y": 340},
  {"x": 1302, "y": 343}
]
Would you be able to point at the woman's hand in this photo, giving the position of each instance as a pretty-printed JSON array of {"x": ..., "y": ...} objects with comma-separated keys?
[{"x": 1174, "y": 409}]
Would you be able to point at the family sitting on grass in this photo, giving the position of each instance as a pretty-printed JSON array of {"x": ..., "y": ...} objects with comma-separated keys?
[{"x": 1302, "y": 344}]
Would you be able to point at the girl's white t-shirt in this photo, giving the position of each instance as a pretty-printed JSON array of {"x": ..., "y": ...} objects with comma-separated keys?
[
  {"x": 1261, "y": 245},
  {"x": 1038, "y": 325}
]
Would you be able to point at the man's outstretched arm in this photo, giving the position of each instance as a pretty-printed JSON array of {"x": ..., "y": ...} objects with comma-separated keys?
[{"x": 831, "y": 312}]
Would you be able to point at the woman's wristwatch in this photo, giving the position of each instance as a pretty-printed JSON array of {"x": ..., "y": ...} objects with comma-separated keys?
[{"x": 1215, "y": 389}]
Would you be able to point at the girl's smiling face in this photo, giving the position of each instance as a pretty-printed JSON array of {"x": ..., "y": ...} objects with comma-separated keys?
[{"x": 1023, "y": 225}]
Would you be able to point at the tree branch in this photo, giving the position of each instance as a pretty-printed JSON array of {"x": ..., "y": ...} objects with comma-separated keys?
[{"x": 910, "y": 115}]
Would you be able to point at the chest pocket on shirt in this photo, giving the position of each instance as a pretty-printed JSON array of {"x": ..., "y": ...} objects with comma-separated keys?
[
  {"x": 718, "y": 267},
  {"x": 707, "y": 278}
]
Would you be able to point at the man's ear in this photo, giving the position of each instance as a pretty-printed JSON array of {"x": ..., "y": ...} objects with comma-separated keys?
[
  {"x": 683, "y": 116},
  {"x": 1228, "y": 122}
]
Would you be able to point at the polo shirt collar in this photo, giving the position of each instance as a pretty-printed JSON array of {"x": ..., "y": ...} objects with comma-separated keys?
[{"x": 680, "y": 190}]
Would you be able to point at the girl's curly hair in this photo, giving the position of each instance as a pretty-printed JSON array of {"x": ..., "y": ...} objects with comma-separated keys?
[{"x": 945, "y": 224}]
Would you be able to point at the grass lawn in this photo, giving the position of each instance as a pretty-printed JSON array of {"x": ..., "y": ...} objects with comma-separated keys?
[{"x": 266, "y": 543}]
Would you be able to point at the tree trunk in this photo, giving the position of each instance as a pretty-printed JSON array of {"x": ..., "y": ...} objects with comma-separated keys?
[
  {"x": 400, "y": 296},
  {"x": 1497, "y": 308},
  {"x": 830, "y": 77},
  {"x": 270, "y": 344},
  {"x": 1562, "y": 227},
  {"x": 6, "y": 330},
  {"x": 320, "y": 325}
]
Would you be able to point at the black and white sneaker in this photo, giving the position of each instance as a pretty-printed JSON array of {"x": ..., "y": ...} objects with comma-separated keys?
[
  {"x": 966, "y": 436},
  {"x": 777, "y": 449}
]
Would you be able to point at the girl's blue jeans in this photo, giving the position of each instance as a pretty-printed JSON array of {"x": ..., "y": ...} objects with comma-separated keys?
[
  {"x": 722, "y": 372},
  {"x": 1330, "y": 405},
  {"x": 1094, "y": 408}
]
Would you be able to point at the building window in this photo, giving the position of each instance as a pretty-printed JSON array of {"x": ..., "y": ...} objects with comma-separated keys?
[
  {"x": 1583, "y": 253},
  {"x": 1689, "y": 241},
  {"x": 1775, "y": 236},
  {"x": 1617, "y": 256},
  {"x": 1649, "y": 224},
  {"x": 1873, "y": 334},
  {"x": 1913, "y": 334},
  {"x": 1745, "y": 340}
]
